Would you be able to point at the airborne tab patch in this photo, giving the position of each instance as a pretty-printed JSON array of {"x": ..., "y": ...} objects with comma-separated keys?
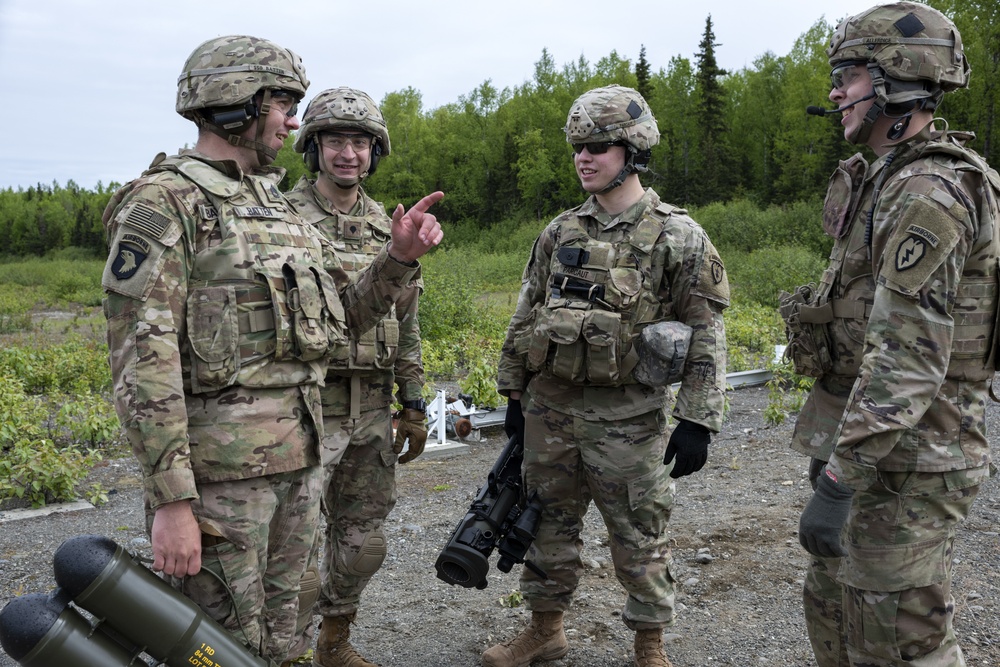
[{"x": 924, "y": 234}]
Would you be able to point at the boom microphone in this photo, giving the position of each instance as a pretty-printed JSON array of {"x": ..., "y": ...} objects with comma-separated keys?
[{"x": 820, "y": 111}]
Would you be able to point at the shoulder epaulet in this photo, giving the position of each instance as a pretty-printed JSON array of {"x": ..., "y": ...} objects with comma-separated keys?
[
  {"x": 663, "y": 210},
  {"x": 204, "y": 176}
]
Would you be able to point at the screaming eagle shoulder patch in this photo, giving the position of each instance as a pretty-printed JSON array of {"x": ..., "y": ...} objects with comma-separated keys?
[{"x": 130, "y": 253}]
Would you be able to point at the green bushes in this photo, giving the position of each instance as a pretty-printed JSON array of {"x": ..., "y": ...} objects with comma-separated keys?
[
  {"x": 758, "y": 276},
  {"x": 55, "y": 417},
  {"x": 742, "y": 225}
]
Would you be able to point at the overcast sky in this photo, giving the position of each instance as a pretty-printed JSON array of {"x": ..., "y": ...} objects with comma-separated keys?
[{"x": 90, "y": 84}]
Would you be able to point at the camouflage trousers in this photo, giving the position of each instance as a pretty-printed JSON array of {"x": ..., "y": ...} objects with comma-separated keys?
[
  {"x": 257, "y": 535},
  {"x": 618, "y": 464},
  {"x": 359, "y": 491},
  {"x": 894, "y": 604}
]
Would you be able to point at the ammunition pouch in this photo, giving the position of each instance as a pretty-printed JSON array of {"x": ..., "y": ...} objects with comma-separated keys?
[{"x": 806, "y": 321}]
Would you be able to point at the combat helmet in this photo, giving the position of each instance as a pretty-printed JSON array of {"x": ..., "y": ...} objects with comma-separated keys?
[
  {"x": 616, "y": 114},
  {"x": 342, "y": 109},
  {"x": 914, "y": 55},
  {"x": 227, "y": 82}
]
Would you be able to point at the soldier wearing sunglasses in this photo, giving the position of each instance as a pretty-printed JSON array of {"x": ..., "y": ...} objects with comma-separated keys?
[{"x": 584, "y": 391}]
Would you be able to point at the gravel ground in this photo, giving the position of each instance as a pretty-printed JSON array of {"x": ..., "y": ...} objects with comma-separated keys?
[{"x": 737, "y": 558}]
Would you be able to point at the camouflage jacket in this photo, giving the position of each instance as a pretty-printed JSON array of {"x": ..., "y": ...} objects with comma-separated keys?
[
  {"x": 213, "y": 378},
  {"x": 927, "y": 358},
  {"x": 673, "y": 273},
  {"x": 388, "y": 353}
]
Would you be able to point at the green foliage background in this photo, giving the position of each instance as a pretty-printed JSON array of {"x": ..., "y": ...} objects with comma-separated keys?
[{"x": 736, "y": 148}]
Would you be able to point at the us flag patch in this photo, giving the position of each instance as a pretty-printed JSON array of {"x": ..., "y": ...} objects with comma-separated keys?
[{"x": 145, "y": 219}]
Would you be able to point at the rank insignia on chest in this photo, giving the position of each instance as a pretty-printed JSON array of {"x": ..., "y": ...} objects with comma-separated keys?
[
  {"x": 128, "y": 259},
  {"x": 909, "y": 253},
  {"x": 351, "y": 230}
]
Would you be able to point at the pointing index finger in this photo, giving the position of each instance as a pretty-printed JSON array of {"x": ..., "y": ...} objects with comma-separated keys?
[{"x": 428, "y": 201}]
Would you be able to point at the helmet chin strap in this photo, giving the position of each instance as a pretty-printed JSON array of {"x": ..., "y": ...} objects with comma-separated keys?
[
  {"x": 627, "y": 170},
  {"x": 265, "y": 154},
  {"x": 342, "y": 183}
]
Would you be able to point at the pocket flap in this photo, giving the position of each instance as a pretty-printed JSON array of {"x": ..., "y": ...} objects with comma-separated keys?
[
  {"x": 212, "y": 322},
  {"x": 563, "y": 325},
  {"x": 601, "y": 328}
]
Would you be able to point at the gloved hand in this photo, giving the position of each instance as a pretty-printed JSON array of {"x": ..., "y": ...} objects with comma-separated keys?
[
  {"x": 815, "y": 468},
  {"x": 824, "y": 517},
  {"x": 689, "y": 442},
  {"x": 513, "y": 421},
  {"x": 412, "y": 425}
]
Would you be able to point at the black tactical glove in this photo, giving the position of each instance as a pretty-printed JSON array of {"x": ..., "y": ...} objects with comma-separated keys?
[
  {"x": 689, "y": 442},
  {"x": 815, "y": 467},
  {"x": 824, "y": 517},
  {"x": 513, "y": 421}
]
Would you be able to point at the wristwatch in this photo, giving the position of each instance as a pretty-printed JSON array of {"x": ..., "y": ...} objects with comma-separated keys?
[{"x": 419, "y": 405}]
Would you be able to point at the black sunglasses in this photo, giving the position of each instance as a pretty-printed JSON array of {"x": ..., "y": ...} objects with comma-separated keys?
[{"x": 596, "y": 148}]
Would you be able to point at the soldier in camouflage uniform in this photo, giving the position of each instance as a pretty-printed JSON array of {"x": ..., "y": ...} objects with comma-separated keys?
[
  {"x": 900, "y": 334},
  {"x": 598, "y": 275},
  {"x": 342, "y": 139},
  {"x": 221, "y": 321}
]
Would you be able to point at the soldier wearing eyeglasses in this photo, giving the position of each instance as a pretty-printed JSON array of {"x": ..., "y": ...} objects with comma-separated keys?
[
  {"x": 342, "y": 138},
  {"x": 580, "y": 375}
]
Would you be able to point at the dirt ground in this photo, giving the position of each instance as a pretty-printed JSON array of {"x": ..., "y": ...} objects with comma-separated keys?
[{"x": 738, "y": 561}]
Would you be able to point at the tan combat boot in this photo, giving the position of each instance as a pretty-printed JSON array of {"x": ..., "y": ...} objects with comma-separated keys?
[
  {"x": 649, "y": 649},
  {"x": 543, "y": 639},
  {"x": 332, "y": 646}
]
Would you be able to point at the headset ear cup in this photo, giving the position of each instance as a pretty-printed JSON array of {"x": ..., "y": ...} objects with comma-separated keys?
[
  {"x": 376, "y": 156},
  {"x": 310, "y": 155}
]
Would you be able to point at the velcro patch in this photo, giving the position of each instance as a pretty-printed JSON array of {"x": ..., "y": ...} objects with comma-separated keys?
[
  {"x": 147, "y": 220},
  {"x": 259, "y": 212},
  {"x": 924, "y": 237}
]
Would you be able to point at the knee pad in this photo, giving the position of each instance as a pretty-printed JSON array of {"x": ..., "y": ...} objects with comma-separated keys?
[
  {"x": 309, "y": 588},
  {"x": 370, "y": 555}
]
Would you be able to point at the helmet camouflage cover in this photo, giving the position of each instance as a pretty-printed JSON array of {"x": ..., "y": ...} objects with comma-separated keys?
[
  {"x": 229, "y": 71},
  {"x": 908, "y": 41},
  {"x": 342, "y": 108},
  {"x": 612, "y": 113}
]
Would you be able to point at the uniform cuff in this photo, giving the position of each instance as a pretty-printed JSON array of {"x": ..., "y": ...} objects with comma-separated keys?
[
  {"x": 392, "y": 270},
  {"x": 858, "y": 476},
  {"x": 170, "y": 486}
]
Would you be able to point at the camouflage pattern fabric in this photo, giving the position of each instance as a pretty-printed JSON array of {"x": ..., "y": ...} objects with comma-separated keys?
[
  {"x": 355, "y": 239},
  {"x": 358, "y": 495},
  {"x": 898, "y": 607},
  {"x": 919, "y": 400},
  {"x": 617, "y": 463},
  {"x": 822, "y": 596},
  {"x": 359, "y": 461},
  {"x": 239, "y": 519},
  {"x": 209, "y": 380},
  {"x": 914, "y": 414},
  {"x": 606, "y": 443},
  {"x": 612, "y": 113},
  {"x": 687, "y": 282},
  {"x": 228, "y": 71}
]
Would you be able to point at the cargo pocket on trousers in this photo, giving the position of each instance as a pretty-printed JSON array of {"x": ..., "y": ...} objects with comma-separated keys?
[{"x": 650, "y": 499}]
